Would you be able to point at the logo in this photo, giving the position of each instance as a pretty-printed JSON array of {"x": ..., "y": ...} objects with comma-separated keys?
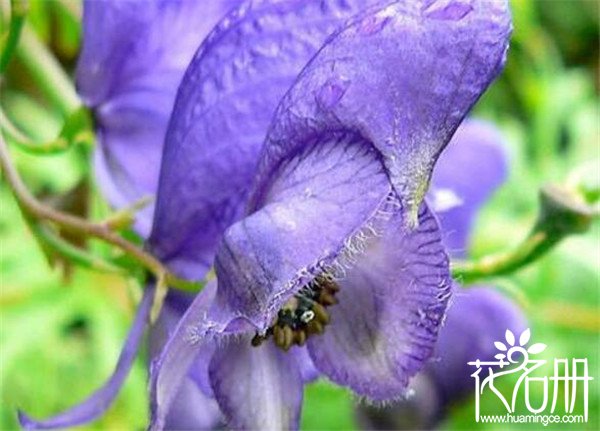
[{"x": 561, "y": 385}]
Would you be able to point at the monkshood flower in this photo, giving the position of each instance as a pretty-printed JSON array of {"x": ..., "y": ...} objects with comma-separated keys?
[
  {"x": 322, "y": 252},
  {"x": 320, "y": 225}
]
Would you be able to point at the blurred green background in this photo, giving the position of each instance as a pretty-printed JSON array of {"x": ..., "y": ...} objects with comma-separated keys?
[{"x": 61, "y": 326}]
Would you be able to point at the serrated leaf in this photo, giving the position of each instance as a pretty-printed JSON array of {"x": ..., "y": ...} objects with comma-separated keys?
[
  {"x": 510, "y": 337},
  {"x": 500, "y": 345},
  {"x": 536, "y": 348},
  {"x": 525, "y": 336}
]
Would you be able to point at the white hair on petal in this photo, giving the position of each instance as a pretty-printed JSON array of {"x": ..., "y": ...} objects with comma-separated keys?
[{"x": 335, "y": 268}]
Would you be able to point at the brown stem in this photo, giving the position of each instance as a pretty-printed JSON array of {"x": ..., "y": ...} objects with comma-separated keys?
[{"x": 35, "y": 209}]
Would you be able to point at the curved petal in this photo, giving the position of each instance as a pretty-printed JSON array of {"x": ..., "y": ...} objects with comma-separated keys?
[
  {"x": 478, "y": 317},
  {"x": 133, "y": 57},
  {"x": 319, "y": 199},
  {"x": 257, "y": 388},
  {"x": 100, "y": 400},
  {"x": 127, "y": 159},
  {"x": 137, "y": 45},
  {"x": 205, "y": 325},
  {"x": 391, "y": 305},
  {"x": 193, "y": 408},
  {"x": 471, "y": 168},
  {"x": 194, "y": 332},
  {"x": 175, "y": 305},
  {"x": 403, "y": 77},
  {"x": 226, "y": 101}
]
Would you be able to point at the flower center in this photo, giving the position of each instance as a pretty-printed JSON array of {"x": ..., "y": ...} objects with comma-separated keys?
[{"x": 303, "y": 315}]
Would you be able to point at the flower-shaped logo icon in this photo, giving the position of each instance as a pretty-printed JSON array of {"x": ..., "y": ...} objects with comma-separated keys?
[{"x": 511, "y": 347}]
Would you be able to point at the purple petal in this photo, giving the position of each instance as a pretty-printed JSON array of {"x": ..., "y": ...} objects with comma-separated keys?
[
  {"x": 225, "y": 104},
  {"x": 307, "y": 368},
  {"x": 170, "y": 370},
  {"x": 175, "y": 306},
  {"x": 467, "y": 173},
  {"x": 403, "y": 77},
  {"x": 192, "y": 342},
  {"x": 478, "y": 317},
  {"x": 100, "y": 400},
  {"x": 192, "y": 410},
  {"x": 133, "y": 57},
  {"x": 257, "y": 388},
  {"x": 316, "y": 201},
  {"x": 391, "y": 305},
  {"x": 127, "y": 158}
]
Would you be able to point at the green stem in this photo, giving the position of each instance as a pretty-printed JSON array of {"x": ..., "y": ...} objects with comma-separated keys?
[
  {"x": 19, "y": 10},
  {"x": 532, "y": 248},
  {"x": 47, "y": 73},
  {"x": 71, "y": 252},
  {"x": 70, "y": 7},
  {"x": 568, "y": 315},
  {"x": 562, "y": 213},
  {"x": 39, "y": 212}
]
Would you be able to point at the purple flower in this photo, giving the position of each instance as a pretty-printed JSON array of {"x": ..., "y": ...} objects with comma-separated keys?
[
  {"x": 302, "y": 180},
  {"x": 315, "y": 242}
]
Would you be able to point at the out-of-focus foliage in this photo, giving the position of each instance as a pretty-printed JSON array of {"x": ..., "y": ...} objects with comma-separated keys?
[{"x": 60, "y": 336}]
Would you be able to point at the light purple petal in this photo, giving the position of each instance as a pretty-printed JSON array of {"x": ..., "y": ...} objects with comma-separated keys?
[
  {"x": 206, "y": 325},
  {"x": 391, "y": 304},
  {"x": 194, "y": 332},
  {"x": 317, "y": 200},
  {"x": 471, "y": 168},
  {"x": 127, "y": 159},
  {"x": 199, "y": 369},
  {"x": 307, "y": 367},
  {"x": 133, "y": 57},
  {"x": 478, "y": 317},
  {"x": 194, "y": 406},
  {"x": 175, "y": 305},
  {"x": 223, "y": 109},
  {"x": 100, "y": 400},
  {"x": 403, "y": 77},
  {"x": 192, "y": 410},
  {"x": 257, "y": 388}
]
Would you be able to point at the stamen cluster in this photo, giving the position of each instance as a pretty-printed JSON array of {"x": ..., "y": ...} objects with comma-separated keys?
[{"x": 303, "y": 315}]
